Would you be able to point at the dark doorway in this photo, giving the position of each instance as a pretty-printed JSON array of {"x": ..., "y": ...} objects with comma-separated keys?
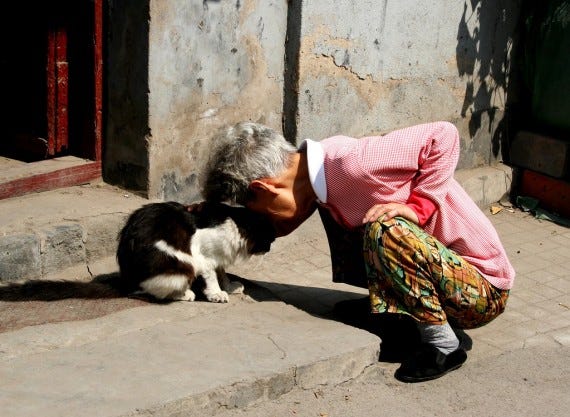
[{"x": 51, "y": 70}]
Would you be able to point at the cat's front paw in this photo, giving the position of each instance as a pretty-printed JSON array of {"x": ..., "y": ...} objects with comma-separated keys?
[
  {"x": 218, "y": 297},
  {"x": 235, "y": 287}
]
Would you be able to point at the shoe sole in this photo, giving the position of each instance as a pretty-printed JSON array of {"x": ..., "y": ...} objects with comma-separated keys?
[{"x": 411, "y": 379}]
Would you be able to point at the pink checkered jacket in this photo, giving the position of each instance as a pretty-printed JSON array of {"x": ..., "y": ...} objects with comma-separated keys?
[{"x": 412, "y": 166}]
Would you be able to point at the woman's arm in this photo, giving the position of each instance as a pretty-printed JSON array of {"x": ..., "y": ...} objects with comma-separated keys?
[
  {"x": 437, "y": 155},
  {"x": 436, "y": 165}
]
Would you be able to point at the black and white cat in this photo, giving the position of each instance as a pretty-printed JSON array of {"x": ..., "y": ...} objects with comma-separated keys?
[{"x": 164, "y": 247}]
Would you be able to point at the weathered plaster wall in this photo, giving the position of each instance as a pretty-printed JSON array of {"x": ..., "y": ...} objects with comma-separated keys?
[
  {"x": 211, "y": 63},
  {"x": 376, "y": 65},
  {"x": 180, "y": 69}
]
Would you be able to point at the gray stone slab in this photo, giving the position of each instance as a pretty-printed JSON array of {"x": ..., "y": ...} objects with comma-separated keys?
[
  {"x": 101, "y": 234},
  {"x": 167, "y": 359},
  {"x": 43, "y": 233},
  {"x": 486, "y": 185},
  {"x": 62, "y": 246},
  {"x": 19, "y": 256}
]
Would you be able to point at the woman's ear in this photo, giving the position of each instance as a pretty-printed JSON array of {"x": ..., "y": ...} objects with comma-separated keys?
[{"x": 262, "y": 186}]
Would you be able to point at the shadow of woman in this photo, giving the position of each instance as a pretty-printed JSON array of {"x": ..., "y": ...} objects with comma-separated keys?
[{"x": 398, "y": 333}]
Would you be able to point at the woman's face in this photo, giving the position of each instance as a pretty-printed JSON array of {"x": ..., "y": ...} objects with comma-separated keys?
[{"x": 285, "y": 210}]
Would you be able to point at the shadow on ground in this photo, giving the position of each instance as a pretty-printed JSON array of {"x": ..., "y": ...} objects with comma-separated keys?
[
  {"x": 398, "y": 333},
  {"x": 38, "y": 302},
  {"x": 101, "y": 287}
]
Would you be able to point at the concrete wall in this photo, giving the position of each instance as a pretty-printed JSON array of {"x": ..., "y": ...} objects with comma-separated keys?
[
  {"x": 180, "y": 69},
  {"x": 210, "y": 63},
  {"x": 375, "y": 65}
]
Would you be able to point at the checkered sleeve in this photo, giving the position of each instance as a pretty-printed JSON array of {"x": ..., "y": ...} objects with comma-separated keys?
[{"x": 437, "y": 162}]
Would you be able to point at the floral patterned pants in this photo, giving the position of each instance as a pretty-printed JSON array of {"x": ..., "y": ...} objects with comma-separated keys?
[{"x": 410, "y": 272}]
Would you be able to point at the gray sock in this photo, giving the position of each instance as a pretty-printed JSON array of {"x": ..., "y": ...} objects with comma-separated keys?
[{"x": 441, "y": 336}]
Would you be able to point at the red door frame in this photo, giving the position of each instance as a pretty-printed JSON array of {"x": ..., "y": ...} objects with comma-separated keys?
[
  {"x": 57, "y": 74},
  {"x": 98, "y": 72},
  {"x": 57, "y": 96}
]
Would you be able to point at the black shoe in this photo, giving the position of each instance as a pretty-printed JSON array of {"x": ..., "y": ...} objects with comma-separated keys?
[{"x": 428, "y": 363}]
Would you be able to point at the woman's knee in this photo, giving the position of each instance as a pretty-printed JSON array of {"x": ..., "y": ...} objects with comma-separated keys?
[
  {"x": 389, "y": 243},
  {"x": 397, "y": 230}
]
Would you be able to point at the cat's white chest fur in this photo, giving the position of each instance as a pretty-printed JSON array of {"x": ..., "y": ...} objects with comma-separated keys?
[{"x": 211, "y": 250}]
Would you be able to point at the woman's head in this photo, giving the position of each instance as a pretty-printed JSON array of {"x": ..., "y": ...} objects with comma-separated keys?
[{"x": 241, "y": 154}]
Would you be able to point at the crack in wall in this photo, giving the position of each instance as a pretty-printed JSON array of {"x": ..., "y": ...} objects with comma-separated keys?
[{"x": 347, "y": 67}]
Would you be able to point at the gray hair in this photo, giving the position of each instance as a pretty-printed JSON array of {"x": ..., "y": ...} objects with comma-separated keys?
[{"x": 241, "y": 154}]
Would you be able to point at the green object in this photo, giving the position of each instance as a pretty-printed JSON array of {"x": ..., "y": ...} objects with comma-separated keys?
[
  {"x": 547, "y": 63},
  {"x": 527, "y": 203},
  {"x": 532, "y": 205}
]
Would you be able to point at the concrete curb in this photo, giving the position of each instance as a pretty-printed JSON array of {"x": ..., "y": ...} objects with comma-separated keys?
[
  {"x": 331, "y": 371},
  {"x": 41, "y": 253},
  {"x": 42, "y": 234},
  {"x": 486, "y": 185},
  {"x": 190, "y": 359}
]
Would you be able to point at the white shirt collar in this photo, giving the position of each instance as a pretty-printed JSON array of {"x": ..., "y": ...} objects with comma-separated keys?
[{"x": 315, "y": 163}]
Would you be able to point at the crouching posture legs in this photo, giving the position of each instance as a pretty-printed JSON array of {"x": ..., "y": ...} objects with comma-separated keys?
[{"x": 410, "y": 272}]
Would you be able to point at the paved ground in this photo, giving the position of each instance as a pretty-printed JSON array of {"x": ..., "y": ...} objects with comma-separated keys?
[
  {"x": 538, "y": 311},
  {"x": 80, "y": 349},
  {"x": 523, "y": 382},
  {"x": 519, "y": 365}
]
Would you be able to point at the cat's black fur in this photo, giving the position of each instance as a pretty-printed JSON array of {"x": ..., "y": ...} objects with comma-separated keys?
[{"x": 141, "y": 259}]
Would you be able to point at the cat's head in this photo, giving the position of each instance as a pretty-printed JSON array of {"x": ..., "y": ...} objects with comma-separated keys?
[{"x": 254, "y": 227}]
